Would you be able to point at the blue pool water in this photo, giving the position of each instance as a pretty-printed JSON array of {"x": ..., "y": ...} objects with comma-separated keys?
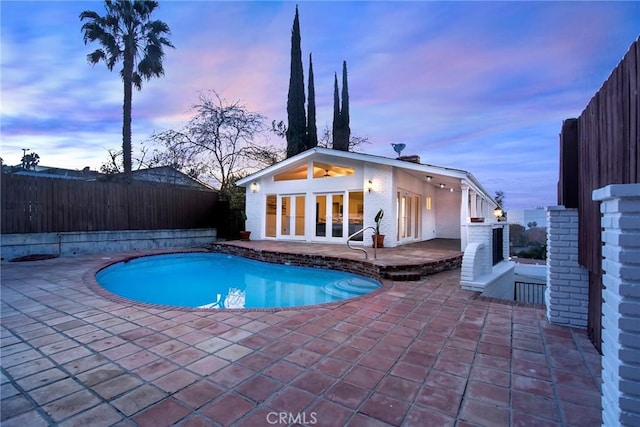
[{"x": 214, "y": 280}]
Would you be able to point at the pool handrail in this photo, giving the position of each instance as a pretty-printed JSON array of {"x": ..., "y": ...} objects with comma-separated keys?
[{"x": 375, "y": 243}]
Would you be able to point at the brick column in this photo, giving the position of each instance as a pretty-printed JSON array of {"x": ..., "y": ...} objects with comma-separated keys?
[
  {"x": 620, "y": 210},
  {"x": 567, "y": 292}
]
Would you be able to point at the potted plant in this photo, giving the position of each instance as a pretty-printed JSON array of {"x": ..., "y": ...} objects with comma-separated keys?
[
  {"x": 378, "y": 239},
  {"x": 244, "y": 234}
]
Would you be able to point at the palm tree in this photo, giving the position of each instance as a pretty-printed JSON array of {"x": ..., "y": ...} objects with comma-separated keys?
[{"x": 128, "y": 35}]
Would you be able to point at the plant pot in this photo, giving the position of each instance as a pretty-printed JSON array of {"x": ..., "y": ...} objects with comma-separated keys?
[
  {"x": 245, "y": 235},
  {"x": 380, "y": 240}
]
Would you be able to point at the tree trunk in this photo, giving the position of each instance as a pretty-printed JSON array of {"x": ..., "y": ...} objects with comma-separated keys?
[{"x": 126, "y": 113}]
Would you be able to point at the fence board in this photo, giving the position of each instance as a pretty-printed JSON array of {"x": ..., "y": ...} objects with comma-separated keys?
[{"x": 39, "y": 205}]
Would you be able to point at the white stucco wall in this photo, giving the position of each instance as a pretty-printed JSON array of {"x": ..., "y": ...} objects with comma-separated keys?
[
  {"x": 382, "y": 196},
  {"x": 447, "y": 214}
]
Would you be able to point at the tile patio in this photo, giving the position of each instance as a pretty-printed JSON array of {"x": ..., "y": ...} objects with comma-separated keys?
[{"x": 418, "y": 353}]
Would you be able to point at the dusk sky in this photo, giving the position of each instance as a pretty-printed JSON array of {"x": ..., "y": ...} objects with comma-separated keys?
[{"x": 479, "y": 86}]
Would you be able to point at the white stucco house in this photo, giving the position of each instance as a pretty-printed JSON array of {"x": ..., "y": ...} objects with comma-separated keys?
[{"x": 325, "y": 195}]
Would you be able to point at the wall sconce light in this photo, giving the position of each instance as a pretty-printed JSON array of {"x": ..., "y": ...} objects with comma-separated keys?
[
  {"x": 441, "y": 185},
  {"x": 370, "y": 186},
  {"x": 255, "y": 187},
  {"x": 451, "y": 189},
  {"x": 429, "y": 178},
  {"x": 497, "y": 212}
]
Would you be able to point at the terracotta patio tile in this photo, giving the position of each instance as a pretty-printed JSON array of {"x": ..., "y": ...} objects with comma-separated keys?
[
  {"x": 254, "y": 341},
  {"x": 176, "y": 380},
  {"x": 70, "y": 354},
  {"x": 165, "y": 413},
  {"x": 534, "y": 405},
  {"x": 14, "y": 406},
  {"x": 199, "y": 393},
  {"x": 138, "y": 399},
  {"x": 100, "y": 374},
  {"x": 291, "y": 399},
  {"x": 572, "y": 379},
  {"x": 521, "y": 419},
  {"x": 398, "y": 388},
  {"x": 30, "y": 419},
  {"x": 484, "y": 413},
  {"x": 279, "y": 348},
  {"x": 283, "y": 371},
  {"x": 257, "y": 361},
  {"x": 410, "y": 371},
  {"x": 364, "y": 377},
  {"x": 156, "y": 369},
  {"x": 326, "y": 414},
  {"x": 313, "y": 382},
  {"x": 453, "y": 367},
  {"x": 532, "y": 385},
  {"x": 70, "y": 405},
  {"x": 234, "y": 352},
  {"x": 55, "y": 390},
  {"x": 579, "y": 415},
  {"x": 116, "y": 386},
  {"x": 530, "y": 369},
  {"x": 187, "y": 356},
  {"x": 332, "y": 366},
  {"x": 103, "y": 415},
  {"x": 260, "y": 388},
  {"x": 168, "y": 347},
  {"x": 362, "y": 420},
  {"x": 494, "y": 362},
  {"x": 194, "y": 337},
  {"x": 491, "y": 376},
  {"x": 490, "y": 393},
  {"x": 578, "y": 395},
  {"x": 227, "y": 408},
  {"x": 138, "y": 359},
  {"x": 302, "y": 357},
  {"x": 122, "y": 351},
  {"x": 258, "y": 417},
  {"x": 296, "y": 338},
  {"x": 196, "y": 421},
  {"x": 420, "y": 417},
  {"x": 386, "y": 409},
  {"x": 439, "y": 399},
  {"x": 361, "y": 343},
  {"x": 377, "y": 361},
  {"x": 346, "y": 394},
  {"x": 20, "y": 358},
  {"x": 235, "y": 335},
  {"x": 207, "y": 365},
  {"x": 231, "y": 375},
  {"x": 320, "y": 346},
  {"x": 41, "y": 379},
  {"x": 529, "y": 345}
]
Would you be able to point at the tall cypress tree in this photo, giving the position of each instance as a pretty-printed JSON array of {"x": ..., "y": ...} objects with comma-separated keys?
[
  {"x": 341, "y": 131},
  {"x": 296, "y": 129},
  {"x": 312, "y": 129},
  {"x": 344, "y": 112},
  {"x": 336, "y": 114}
]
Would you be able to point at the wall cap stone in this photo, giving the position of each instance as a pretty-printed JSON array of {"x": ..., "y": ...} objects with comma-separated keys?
[{"x": 616, "y": 191}]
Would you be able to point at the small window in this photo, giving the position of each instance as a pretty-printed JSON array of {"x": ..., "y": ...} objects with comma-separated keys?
[
  {"x": 299, "y": 172},
  {"x": 428, "y": 204}
]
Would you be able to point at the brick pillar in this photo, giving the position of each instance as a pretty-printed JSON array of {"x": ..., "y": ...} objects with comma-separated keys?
[
  {"x": 567, "y": 292},
  {"x": 620, "y": 210}
]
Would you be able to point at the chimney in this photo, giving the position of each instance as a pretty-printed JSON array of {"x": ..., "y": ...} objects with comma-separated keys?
[{"x": 414, "y": 158}]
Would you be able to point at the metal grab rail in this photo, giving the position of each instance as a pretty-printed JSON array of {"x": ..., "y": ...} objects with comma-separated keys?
[{"x": 366, "y": 254}]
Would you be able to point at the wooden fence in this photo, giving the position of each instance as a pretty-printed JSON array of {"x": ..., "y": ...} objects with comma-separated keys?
[
  {"x": 39, "y": 205},
  {"x": 607, "y": 143}
]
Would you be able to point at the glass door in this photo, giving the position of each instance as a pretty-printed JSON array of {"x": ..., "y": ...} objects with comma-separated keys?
[
  {"x": 330, "y": 218},
  {"x": 291, "y": 216}
]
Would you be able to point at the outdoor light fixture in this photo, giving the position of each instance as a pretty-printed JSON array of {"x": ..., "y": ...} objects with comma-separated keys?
[
  {"x": 497, "y": 212},
  {"x": 441, "y": 185},
  {"x": 254, "y": 187},
  {"x": 451, "y": 189},
  {"x": 370, "y": 186},
  {"x": 429, "y": 177}
]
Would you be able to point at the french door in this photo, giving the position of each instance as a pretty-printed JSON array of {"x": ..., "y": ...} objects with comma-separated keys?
[
  {"x": 408, "y": 208},
  {"x": 290, "y": 217}
]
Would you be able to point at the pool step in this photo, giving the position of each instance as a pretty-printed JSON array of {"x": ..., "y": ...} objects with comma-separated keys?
[
  {"x": 347, "y": 288},
  {"x": 403, "y": 276}
]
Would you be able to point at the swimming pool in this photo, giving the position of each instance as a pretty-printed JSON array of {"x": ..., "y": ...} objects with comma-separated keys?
[{"x": 217, "y": 281}]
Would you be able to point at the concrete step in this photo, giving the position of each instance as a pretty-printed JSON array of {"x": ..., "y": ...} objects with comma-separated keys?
[{"x": 403, "y": 276}]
